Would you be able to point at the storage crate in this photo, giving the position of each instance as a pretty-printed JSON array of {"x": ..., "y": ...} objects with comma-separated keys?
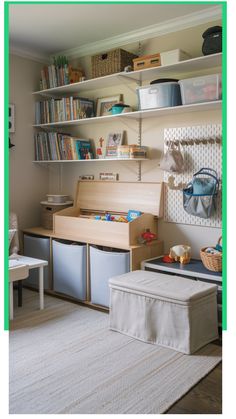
[
  {"x": 174, "y": 56},
  {"x": 113, "y": 263},
  {"x": 147, "y": 61},
  {"x": 159, "y": 95},
  {"x": 39, "y": 248},
  {"x": 69, "y": 268},
  {"x": 110, "y": 197},
  {"x": 47, "y": 211},
  {"x": 111, "y": 62},
  {"x": 201, "y": 89}
]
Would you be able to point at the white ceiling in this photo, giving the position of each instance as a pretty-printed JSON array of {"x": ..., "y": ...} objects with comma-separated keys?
[{"x": 44, "y": 29}]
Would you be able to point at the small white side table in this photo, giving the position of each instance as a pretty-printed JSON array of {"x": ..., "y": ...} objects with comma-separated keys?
[{"x": 19, "y": 267}]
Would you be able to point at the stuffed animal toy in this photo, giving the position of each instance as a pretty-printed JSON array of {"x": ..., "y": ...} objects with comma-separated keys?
[{"x": 180, "y": 253}]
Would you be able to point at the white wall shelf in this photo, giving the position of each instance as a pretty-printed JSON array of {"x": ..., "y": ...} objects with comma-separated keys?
[
  {"x": 89, "y": 160},
  {"x": 143, "y": 114},
  {"x": 193, "y": 66}
]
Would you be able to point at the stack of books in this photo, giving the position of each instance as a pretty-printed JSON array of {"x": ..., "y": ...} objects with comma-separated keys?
[
  {"x": 59, "y": 73},
  {"x": 57, "y": 146}
]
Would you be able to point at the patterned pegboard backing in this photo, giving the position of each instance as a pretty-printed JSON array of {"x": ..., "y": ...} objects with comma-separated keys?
[{"x": 206, "y": 152}]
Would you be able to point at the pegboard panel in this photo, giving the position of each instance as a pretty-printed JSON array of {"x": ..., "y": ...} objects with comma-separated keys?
[{"x": 206, "y": 152}]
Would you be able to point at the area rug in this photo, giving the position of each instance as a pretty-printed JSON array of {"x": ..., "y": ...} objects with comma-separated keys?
[{"x": 64, "y": 359}]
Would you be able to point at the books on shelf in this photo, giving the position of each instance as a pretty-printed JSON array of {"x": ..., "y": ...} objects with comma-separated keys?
[
  {"x": 65, "y": 109},
  {"x": 58, "y": 146},
  {"x": 60, "y": 73}
]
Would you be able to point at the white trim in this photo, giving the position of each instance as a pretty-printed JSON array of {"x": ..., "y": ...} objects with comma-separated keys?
[
  {"x": 152, "y": 31},
  {"x": 169, "y": 26},
  {"x": 30, "y": 55}
]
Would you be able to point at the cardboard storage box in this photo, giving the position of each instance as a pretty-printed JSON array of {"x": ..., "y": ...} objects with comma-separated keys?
[
  {"x": 97, "y": 197},
  {"x": 47, "y": 211},
  {"x": 174, "y": 56}
]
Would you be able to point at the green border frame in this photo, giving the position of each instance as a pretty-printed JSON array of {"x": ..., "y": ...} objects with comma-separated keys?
[
  {"x": 6, "y": 135},
  {"x": 6, "y": 164},
  {"x": 224, "y": 164}
]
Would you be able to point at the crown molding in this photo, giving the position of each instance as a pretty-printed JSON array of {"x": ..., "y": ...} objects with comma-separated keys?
[
  {"x": 169, "y": 26},
  {"x": 153, "y": 31},
  {"x": 30, "y": 55}
]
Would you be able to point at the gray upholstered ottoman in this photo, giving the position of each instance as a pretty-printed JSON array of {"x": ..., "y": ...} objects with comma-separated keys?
[{"x": 166, "y": 310}]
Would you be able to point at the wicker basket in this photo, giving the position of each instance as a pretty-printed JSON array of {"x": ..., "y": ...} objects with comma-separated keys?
[
  {"x": 111, "y": 62},
  {"x": 212, "y": 262},
  {"x": 47, "y": 211}
]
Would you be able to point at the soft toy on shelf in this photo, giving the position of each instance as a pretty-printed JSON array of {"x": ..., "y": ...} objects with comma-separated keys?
[
  {"x": 180, "y": 253},
  {"x": 147, "y": 237}
]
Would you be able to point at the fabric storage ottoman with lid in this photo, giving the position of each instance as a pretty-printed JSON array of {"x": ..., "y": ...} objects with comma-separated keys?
[{"x": 162, "y": 309}]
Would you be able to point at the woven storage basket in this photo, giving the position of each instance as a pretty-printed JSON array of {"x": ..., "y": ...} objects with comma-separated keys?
[
  {"x": 111, "y": 62},
  {"x": 47, "y": 211},
  {"x": 212, "y": 262}
]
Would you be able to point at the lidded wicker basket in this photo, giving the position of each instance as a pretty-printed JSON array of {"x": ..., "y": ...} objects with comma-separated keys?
[
  {"x": 111, "y": 62},
  {"x": 213, "y": 262}
]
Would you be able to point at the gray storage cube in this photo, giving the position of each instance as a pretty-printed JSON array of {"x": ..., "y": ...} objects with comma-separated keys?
[
  {"x": 69, "y": 268},
  {"x": 103, "y": 266},
  {"x": 39, "y": 248}
]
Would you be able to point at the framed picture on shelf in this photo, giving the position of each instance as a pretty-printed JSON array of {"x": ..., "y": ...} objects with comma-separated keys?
[
  {"x": 104, "y": 104},
  {"x": 86, "y": 108},
  {"x": 114, "y": 139}
]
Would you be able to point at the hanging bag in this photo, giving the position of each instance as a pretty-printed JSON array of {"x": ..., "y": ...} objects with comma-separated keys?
[
  {"x": 173, "y": 160},
  {"x": 212, "y": 40},
  {"x": 199, "y": 197}
]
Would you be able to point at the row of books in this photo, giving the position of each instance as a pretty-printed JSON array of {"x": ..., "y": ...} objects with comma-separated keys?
[
  {"x": 58, "y": 146},
  {"x": 54, "y": 76},
  {"x": 65, "y": 109}
]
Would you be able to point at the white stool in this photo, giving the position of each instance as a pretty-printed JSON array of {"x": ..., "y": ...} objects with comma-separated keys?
[{"x": 167, "y": 310}]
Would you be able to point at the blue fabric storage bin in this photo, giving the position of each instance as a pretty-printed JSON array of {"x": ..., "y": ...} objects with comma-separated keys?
[
  {"x": 103, "y": 266},
  {"x": 69, "y": 268},
  {"x": 39, "y": 248}
]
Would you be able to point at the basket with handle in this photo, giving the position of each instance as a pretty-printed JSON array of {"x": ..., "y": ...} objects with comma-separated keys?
[
  {"x": 213, "y": 262},
  {"x": 111, "y": 62}
]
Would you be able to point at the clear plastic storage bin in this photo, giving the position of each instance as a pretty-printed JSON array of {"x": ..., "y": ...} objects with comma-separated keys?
[
  {"x": 159, "y": 95},
  {"x": 201, "y": 89}
]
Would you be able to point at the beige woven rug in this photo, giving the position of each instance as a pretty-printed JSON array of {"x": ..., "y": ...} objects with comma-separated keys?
[{"x": 64, "y": 359}]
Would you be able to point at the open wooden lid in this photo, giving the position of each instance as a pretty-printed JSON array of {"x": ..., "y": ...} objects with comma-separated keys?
[{"x": 120, "y": 196}]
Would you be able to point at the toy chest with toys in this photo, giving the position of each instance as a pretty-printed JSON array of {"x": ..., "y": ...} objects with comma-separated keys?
[{"x": 96, "y": 199}]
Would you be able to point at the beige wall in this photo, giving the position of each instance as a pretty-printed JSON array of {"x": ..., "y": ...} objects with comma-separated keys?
[{"x": 28, "y": 182}]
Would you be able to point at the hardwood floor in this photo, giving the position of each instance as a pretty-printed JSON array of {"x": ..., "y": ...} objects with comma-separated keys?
[{"x": 205, "y": 397}]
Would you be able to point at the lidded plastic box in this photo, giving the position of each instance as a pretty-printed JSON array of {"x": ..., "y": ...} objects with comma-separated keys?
[
  {"x": 201, "y": 89},
  {"x": 159, "y": 95}
]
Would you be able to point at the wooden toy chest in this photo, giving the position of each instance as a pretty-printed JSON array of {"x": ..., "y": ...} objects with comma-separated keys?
[{"x": 97, "y": 197}]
